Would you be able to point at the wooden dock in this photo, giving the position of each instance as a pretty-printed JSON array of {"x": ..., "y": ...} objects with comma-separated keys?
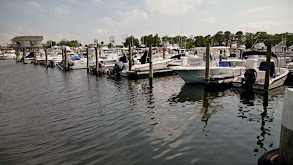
[{"x": 145, "y": 74}]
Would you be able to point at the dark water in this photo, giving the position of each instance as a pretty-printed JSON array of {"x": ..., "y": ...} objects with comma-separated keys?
[{"x": 52, "y": 117}]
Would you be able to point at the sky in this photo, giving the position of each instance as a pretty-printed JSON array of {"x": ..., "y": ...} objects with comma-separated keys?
[{"x": 86, "y": 20}]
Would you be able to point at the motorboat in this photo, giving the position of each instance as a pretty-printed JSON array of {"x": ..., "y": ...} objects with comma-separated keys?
[
  {"x": 254, "y": 76},
  {"x": 108, "y": 57},
  {"x": 192, "y": 69},
  {"x": 140, "y": 64},
  {"x": 29, "y": 57},
  {"x": 8, "y": 55}
]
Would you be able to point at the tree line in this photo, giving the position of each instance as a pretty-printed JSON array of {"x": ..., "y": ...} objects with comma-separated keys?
[{"x": 219, "y": 39}]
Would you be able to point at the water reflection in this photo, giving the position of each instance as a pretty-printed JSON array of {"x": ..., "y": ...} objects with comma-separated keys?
[
  {"x": 266, "y": 114},
  {"x": 208, "y": 97}
]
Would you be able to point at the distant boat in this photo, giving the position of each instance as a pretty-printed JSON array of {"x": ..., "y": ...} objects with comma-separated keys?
[{"x": 8, "y": 55}]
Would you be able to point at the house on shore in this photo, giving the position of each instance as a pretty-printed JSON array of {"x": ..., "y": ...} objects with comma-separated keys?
[{"x": 26, "y": 43}]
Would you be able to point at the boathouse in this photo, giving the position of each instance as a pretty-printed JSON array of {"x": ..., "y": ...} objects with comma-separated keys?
[{"x": 26, "y": 43}]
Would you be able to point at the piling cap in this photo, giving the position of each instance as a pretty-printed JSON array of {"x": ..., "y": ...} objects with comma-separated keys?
[{"x": 287, "y": 115}]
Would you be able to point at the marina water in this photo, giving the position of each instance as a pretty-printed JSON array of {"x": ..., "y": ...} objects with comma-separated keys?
[{"x": 54, "y": 117}]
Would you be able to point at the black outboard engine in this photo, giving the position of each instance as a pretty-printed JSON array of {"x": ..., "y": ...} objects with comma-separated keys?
[
  {"x": 119, "y": 66},
  {"x": 250, "y": 77},
  {"x": 144, "y": 58}
]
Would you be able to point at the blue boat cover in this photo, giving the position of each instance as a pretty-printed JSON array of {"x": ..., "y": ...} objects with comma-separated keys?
[
  {"x": 222, "y": 64},
  {"x": 75, "y": 58},
  {"x": 262, "y": 67}
]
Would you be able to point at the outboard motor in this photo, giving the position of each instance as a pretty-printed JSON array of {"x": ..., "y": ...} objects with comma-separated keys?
[
  {"x": 119, "y": 66},
  {"x": 144, "y": 58},
  {"x": 250, "y": 77}
]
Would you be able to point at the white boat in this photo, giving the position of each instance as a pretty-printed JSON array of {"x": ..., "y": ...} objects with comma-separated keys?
[
  {"x": 217, "y": 74},
  {"x": 29, "y": 58},
  {"x": 158, "y": 62},
  {"x": 192, "y": 69},
  {"x": 140, "y": 64},
  {"x": 254, "y": 77},
  {"x": 8, "y": 55},
  {"x": 108, "y": 58}
]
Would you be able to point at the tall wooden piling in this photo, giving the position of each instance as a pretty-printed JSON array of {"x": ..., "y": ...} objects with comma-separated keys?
[
  {"x": 268, "y": 69},
  {"x": 151, "y": 73},
  {"x": 130, "y": 58},
  {"x": 66, "y": 61},
  {"x": 97, "y": 61},
  {"x": 87, "y": 60},
  {"x": 35, "y": 57},
  {"x": 46, "y": 54},
  {"x": 63, "y": 59},
  {"x": 17, "y": 56},
  {"x": 207, "y": 69},
  {"x": 23, "y": 56},
  {"x": 286, "y": 142}
]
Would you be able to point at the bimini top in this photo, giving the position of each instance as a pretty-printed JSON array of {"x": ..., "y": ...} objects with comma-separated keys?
[{"x": 251, "y": 53}]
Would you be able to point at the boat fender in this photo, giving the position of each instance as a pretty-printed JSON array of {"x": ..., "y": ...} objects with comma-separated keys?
[{"x": 269, "y": 158}]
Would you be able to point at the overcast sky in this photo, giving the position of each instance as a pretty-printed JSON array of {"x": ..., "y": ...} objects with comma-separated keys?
[{"x": 85, "y": 20}]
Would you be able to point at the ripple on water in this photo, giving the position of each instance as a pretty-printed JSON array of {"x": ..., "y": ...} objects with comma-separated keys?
[{"x": 52, "y": 117}]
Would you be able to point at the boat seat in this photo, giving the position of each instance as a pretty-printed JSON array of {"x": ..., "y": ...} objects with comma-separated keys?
[
  {"x": 261, "y": 75},
  {"x": 194, "y": 61}
]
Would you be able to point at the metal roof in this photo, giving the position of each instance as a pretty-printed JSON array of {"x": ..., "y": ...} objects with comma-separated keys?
[{"x": 27, "y": 38}]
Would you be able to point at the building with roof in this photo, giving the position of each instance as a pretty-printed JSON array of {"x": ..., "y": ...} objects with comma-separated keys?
[{"x": 26, "y": 43}]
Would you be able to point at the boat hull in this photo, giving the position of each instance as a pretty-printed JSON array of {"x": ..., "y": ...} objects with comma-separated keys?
[
  {"x": 5, "y": 58},
  {"x": 157, "y": 65},
  {"x": 274, "y": 82},
  {"x": 197, "y": 75}
]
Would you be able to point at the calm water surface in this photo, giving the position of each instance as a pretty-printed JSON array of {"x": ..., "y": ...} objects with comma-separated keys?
[{"x": 52, "y": 117}]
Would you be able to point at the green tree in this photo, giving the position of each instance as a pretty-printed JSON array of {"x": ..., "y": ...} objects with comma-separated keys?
[
  {"x": 128, "y": 40},
  {"x": 151, "y": 40},
  {"x": 189, "y": 45},
  {"x": 218, "y": 38},
  {"x": 64, "y": 42},
  {"x": 249, "y": 40},
  {"x": 50, "y": 43},
  {"x": 201, "y": 41},
  {"x": 239, "y": 37},
  {"x": 166, "y": 39},
  {"x": 227, "y": 38}
]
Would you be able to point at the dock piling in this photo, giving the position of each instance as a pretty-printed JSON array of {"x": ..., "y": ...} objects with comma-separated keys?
[
  {"x": 87, "y": 60},
  {"x": 63, "y": 59},
  {"x": 66, "y": 61},
  {"x": 207, "y": 69},
  {"x": 23, "y": 56},
  {"x": 35, "y": 57},
  {"x": 286, "y": 143},
  {"x": 97, "y": 61},
  {"x": 46, "y": 54},
  {"x": 130, "y": 58},
  {"x": 268, "y": 69},
  {"x": 17, "y": 56},
  {"x": 151, "y": 74}
]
